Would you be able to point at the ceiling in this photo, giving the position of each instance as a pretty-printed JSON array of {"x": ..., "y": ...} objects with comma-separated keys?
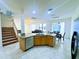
[{"x": 60, "y": 8}]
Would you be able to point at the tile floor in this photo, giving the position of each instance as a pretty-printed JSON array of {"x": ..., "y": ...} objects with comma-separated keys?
[
  {"x": 78, "y": 54},
  {"x": 60, "y": 51}
]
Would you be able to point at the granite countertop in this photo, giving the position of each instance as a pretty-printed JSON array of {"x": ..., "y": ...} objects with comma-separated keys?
[
  {"x": 27, "y": 35},
  {"x": 33, "y": 34}
]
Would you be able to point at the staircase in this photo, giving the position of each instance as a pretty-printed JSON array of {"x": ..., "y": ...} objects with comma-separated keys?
[{"x": 8, "y": 36}]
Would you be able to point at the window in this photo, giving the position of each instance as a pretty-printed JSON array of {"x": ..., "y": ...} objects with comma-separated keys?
[
  {"x": 33, "y": 27},
  {"x": 38, "y": 26},
  {"x": 58, "y": 27},
  {"x": 42, "y": 27}
]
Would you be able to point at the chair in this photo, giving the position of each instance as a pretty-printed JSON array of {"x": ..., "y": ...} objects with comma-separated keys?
[
  {"x": 59, "y": 36},
  {"x": 63, "y": 36}
]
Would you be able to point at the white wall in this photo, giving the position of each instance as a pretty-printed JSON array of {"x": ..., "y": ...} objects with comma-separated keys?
[
  {"x": 0, "y": 32},
  {"x": 6, "y": 21},
  {"x": 48, "y": 26},
  {"x": 47, "y": 22},
  {"x": 17, "y": 22},
  {"x": 68, "y": 24},
  {"x": 37, "y": 22},
  {"x": 68, "y": 28}
]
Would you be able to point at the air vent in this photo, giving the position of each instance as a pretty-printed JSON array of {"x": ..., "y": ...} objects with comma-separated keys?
[
  {"x": 34, "y": 18},
  {"x": 50, "y": 9},
  {"x": 55, "y": 17}
]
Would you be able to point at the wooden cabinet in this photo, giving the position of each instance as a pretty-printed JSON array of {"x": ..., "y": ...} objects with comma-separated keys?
[
  {"x": 50, "y": 41},
  {"x": 22, "y": 43},
  {"x": 37, "y": 40},
  {"x": 44, "y": 40},
  {"x": 26, "y": 43},
  {"x": 40, "y": 40}
]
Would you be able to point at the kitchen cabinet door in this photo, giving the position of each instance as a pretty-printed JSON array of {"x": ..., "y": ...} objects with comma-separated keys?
[
  {"x": 43, "y": 40},
  {"x": 37, "y": 40},
  {"x": 22, "y": 44},
  {"x": 50, "y": 41}
]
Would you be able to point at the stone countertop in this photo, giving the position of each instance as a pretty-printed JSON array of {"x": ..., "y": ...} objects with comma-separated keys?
[
  {"x": 27, "y": 35},
  {"x": 33, "y": 34}
]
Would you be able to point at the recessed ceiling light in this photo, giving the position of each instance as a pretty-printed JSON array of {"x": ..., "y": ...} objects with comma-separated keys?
[
  {"x": 49, "y": 12},
  {"x": 34, "y": 18},
  {"x": 55, "y": 17},
  {"x": 34, "y": 12}
]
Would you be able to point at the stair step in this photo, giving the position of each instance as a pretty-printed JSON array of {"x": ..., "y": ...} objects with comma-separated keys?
[
  {"x": 10, "y": 39},
  {"x": 6, "y": 32},
  {"x": 7, "y": 37},
  {"x": 10, "y": 42}
]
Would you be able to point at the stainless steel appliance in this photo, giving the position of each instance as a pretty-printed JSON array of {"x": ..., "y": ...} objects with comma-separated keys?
[{"x": 74, "y": 45}]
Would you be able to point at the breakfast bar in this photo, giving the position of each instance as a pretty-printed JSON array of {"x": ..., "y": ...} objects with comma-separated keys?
[{"x": 31, "y": 40}]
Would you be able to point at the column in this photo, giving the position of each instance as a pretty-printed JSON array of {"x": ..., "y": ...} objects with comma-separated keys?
[
  {"x": 68, "y": 28},
  {"x": 22, "y": 25},
  {"x": 0, "y": 31}
]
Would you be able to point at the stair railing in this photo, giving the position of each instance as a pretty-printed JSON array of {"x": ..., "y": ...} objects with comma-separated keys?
[{"x": 14, "y": 27}]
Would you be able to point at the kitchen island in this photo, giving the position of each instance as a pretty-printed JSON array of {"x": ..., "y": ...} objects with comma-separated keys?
[{"x": 31, "y": 40}]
